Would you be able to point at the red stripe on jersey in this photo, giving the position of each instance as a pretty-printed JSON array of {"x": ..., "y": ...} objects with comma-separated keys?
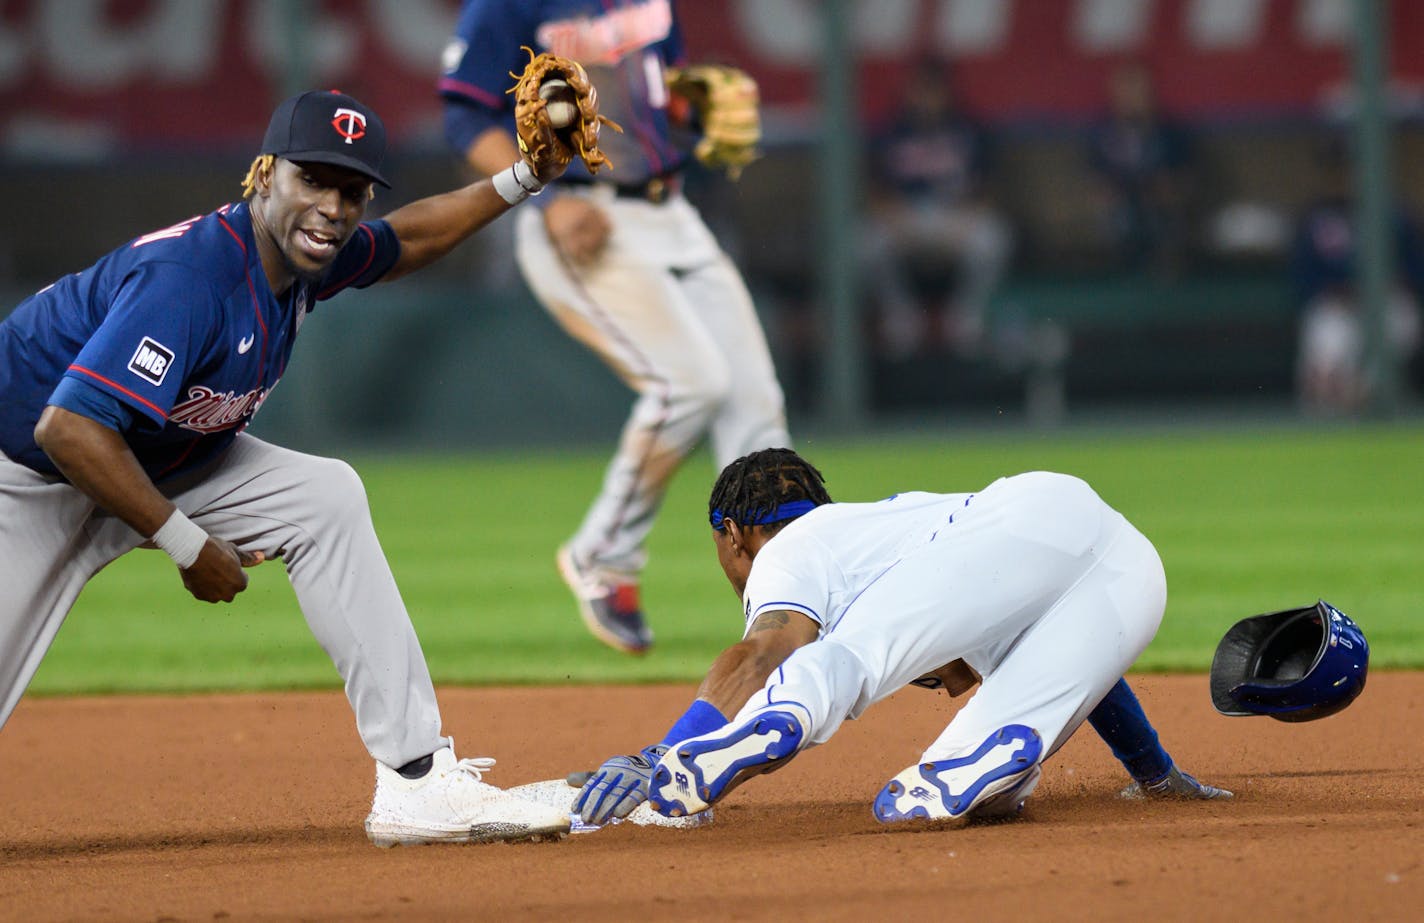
[
  {"x": 256, "y": 303},
  {"x": 479, "y": 95},
  {"x": 114, "y": 384},
  {"x": 240, "y": 245}
]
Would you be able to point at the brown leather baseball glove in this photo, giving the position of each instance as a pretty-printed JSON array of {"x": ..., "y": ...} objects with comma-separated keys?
[{"x": 547, "y": 149}]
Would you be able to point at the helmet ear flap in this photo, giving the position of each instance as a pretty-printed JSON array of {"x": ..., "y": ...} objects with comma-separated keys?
[{"x": 1295, "y": 665}]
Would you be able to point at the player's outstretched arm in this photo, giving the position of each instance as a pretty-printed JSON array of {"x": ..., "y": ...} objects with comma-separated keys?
[
  {"x": 742, "y": 669},
  {"x": 431, "y": 227},
  {"x": 97, "y": 461},
  {"x": 622, "y": 782},
  {"x": 577, "y": 227}
]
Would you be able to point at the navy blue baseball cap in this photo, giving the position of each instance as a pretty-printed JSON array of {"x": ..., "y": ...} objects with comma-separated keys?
[{"x": 325, "y": 126}]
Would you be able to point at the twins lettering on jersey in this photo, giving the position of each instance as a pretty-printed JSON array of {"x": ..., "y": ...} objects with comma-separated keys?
[
  {"x": 606, "y": 39},
  {"x": 205, "y": 410},
  {"x": 209, "y": 411}
]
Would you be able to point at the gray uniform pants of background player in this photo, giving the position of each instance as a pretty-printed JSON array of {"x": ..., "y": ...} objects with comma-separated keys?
[
  {"x": 261, "y": 498},
  {"x": 670, "y": 314}
]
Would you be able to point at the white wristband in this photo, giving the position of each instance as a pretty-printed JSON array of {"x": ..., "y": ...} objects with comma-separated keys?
[
  {"x": 517, "y": 183},
  {"x": 181, "y": 538}
]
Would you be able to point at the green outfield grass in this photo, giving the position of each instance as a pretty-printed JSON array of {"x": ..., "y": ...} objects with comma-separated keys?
[{"x": 1247, "y": 521}]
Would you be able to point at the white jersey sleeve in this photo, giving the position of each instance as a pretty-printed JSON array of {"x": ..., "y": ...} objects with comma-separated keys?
[
  {"x": 818, "y": 564},
  {"x": 800, "y": 579}
]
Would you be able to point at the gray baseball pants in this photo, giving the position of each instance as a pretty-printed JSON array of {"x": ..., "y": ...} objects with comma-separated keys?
[
  {"x": 312, "y": 511},
  {"x": 667, "y": 310}
]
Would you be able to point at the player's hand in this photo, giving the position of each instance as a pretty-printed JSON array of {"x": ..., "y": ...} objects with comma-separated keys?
[
  {"x": 578, "y": 229},
  {"x": 619, "y": 786},
  {"x": 1176, "y": 785},
  {"x": 216, "y": 576}
]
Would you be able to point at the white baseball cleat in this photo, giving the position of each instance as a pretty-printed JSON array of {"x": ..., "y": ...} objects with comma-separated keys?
[
  {"x": 698, "y": 772},
  {"x": 992, "y": 781},
  {"x": 451, "y": 804}
]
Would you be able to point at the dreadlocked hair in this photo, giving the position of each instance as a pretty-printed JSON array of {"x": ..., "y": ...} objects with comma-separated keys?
[
  {"x": 265, "y": 163},
  {"x": 757, "y": 484},
  {"x": 262, "y": 164}
]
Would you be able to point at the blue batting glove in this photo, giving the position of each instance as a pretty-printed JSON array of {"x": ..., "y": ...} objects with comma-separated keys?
[{"x": 619, "y": 786}]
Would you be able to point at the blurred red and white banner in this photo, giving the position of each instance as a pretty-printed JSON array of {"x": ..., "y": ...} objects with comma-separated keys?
[
  {"x": 1024, "y": 59},
  {"x": 198, "y": 73}
]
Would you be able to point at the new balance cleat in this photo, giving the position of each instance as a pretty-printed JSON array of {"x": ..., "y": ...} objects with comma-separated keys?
[
  {"x": 1175, "y": 784},
  {"x": 699, "y": 772},
  {"x": 609, "y": 609},
  {"x": 452, "y": 804},
  {"x": 993, "y": 781}
]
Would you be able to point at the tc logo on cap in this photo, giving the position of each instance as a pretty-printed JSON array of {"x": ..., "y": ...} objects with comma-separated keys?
[{"x": 349, "y": 123}]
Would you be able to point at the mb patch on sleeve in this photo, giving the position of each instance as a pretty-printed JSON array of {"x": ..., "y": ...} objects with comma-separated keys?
[{"x": 151, "y": 361}]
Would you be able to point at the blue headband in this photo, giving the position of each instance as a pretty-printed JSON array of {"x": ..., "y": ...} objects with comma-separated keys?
[{"x": 777, "y": 514}]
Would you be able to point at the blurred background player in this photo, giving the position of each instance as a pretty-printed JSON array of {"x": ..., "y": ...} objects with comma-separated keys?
[
  {"x": 1142, "y": 161},
  {"x": 930, "y": 217},
  {"x": 1330, "y": 362},
  {"x": 125, "y": 390},
  {"x": 627, "y": 267}
]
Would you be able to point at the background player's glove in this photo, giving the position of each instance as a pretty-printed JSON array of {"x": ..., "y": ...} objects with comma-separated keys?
[
  {"x": 548, "y": 148},
  {"x": 619, "y": 786},
  {"x": 728, "y": 106}
]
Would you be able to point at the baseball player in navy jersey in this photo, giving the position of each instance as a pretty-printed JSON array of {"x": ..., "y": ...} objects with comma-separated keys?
[
  {"x": 1033, "y": 587},
  {"x": 125, "y": 390},
  {"x": 627, "y": 267}
]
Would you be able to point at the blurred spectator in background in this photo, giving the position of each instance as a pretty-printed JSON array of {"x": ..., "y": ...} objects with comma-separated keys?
[
  {"x": 1142, "y": 160},
  {"x": 1331, "y": 373},
  {"x": 928, "y": 208}
]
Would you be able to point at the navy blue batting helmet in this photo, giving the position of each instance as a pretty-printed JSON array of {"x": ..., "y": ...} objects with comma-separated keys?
[{"x": 1295, "y": 665}]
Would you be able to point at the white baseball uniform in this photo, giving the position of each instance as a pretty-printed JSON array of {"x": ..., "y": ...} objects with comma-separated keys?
[{"x": 1041, "y": 587}]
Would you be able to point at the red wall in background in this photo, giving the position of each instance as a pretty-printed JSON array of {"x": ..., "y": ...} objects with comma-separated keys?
[
  {"x": 1043, "y": 61},
  {"x": 194, "y": 73}
]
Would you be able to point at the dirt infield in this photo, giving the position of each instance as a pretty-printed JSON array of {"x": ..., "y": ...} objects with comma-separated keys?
[{"x": 250, "y": 807}]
